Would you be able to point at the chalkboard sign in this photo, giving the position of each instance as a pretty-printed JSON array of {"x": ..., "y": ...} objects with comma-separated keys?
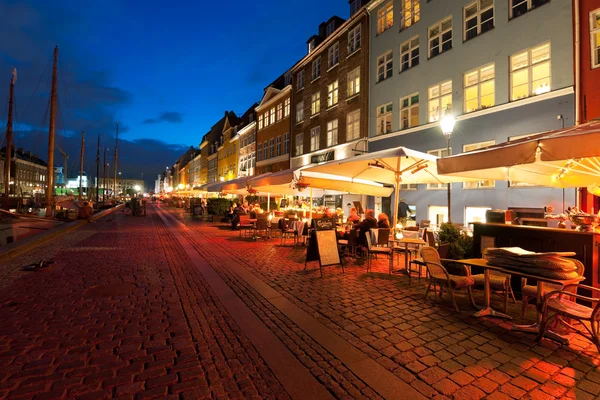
[
  {"x": 322, "y": 247},
  {"x": 323, "y": 224},
  {"x": 358, "y": 206}
]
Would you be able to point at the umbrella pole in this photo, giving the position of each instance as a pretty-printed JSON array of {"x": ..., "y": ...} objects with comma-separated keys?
[
  {"x": 268, "y": 202},
  {"x": 396, "y": 198},
  {"x": 310, "y": 206}
]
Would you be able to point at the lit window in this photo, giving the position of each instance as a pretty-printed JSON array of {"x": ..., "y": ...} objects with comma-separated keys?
[
  {"x": 286, "y": 108},
  {"x": 260, "y": 121},
  {"x": 520, "y": 7},
  {"x": 299, "y": 144},
  {"x": 409, "y": 111},
  {"x": 478, "y": 18},
  {"x": 354, "y": 82},
  {"x": 354, "y": 39},
  {"x": 332, "y": 133},
  {"x": 353, "y": 125},
  {"x": 332, "y": 94},
  {"x": 479, "y": 88},
  {"x": 279, "y": 111},
  {"x": 333, "y": 55},
  {"x": 384, "y": 119},
  {"x": 438, "y": 153},
  {"x": 483, "y": 183},
  {"x": 409, "y": 186},
  {"x": 440, "y": 37},
  {"x": 440, "y": 100},
  {"x": 315, "y": 135},
  {"x": 266, "y": 118},
  {"x": 409, "y": 54},
  {"x": 315, "y": 106},
  {"x": 385, "y": 66},
  {"x": 316, "y": 69},
  {"x": 411, "y": 13},
  {"x": 385, "y": 17},
  {"x": 300, "y": 111},
  {"x": 300, "y": 77},
  {"x": 530, "y": 72},
  {"x": 286, "y": 143},
  {"x": 272, "y": 115},
  {"x": 595, "y": 37}
]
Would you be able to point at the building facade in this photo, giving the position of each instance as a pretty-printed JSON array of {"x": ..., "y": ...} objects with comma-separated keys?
[
  {"x": 209, "y": 146},
  {"x": 329, "y": 95},
  {"x": 228, "y": 155},
  {"x": 503, "y": 69},
  {"x": 195, "y": 165},
  {"x": 246, "y": 137},
  {"x": 28, "y": 173}
]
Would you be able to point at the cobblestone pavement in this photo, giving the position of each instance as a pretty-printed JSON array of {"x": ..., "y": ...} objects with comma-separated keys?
[
  {"x": 440, "y": 353},
  {"x": 121, "y": 314}
]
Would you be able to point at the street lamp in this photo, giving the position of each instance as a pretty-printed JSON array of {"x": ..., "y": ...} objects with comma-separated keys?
[{"x": 447, "y": 125}]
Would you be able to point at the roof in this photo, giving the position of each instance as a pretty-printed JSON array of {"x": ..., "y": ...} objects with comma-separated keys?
[
  {"x": 216, "y": 130},
  {"x": 187, "y": 156},
  {"x": 245, "y": 119},
  {"x": 25, "y": 156}
]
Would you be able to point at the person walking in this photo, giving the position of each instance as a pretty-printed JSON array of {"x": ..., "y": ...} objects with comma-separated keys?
[{"x": 403, "y": 211}]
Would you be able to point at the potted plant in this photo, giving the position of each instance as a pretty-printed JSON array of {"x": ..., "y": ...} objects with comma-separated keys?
[{"x": 458, "y": 244}]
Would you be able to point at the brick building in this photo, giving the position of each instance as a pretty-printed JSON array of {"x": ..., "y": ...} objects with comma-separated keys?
[
  {"x": 246, "y": 137},
  {"x": 28, "y": 173}
]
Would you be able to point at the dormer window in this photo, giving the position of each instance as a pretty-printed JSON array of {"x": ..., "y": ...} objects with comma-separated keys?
[
  {"x": 354, "y": 7},
  {"x": 288, "y": 78},
  {"x": 330, "y": 28},
  {"x": 311, "y": 46}
]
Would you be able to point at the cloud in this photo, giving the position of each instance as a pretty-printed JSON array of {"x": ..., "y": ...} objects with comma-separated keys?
[{"x": 171, "y": 117}]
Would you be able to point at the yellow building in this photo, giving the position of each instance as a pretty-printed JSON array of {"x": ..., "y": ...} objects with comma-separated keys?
[
  {"x": 214, "y": 142},
  {"x": 228, "y": 151}
]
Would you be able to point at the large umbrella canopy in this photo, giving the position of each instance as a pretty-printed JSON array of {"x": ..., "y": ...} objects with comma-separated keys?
[{"x": 563, "y": 158}]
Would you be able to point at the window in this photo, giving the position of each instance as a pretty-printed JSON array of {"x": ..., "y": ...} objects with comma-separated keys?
[
  {"x": 595, "y": 37},
  {"x": 299, "y": 143},
  {"x": 483, "y": 183},
  {"x": 272, "y": 115},
  {"x": 438, "y": 153},
  {"x": 266, "y": 117},
  {"x": 354, "y": 82},
  {"x": 409, "y": 54},
  {"x": 315, "y": 105},
  {"x": 384, "y": 119},
  {"x": 330, "y": 28},
  {"x": 332, "y": 94},
  {"x": 300, "y": 80},
  {"x": 475, "y": 214},
  {"x": 354, "y": 39},
  {"x": 300, "y": 111},
  {"x": 353, "y": 125},
  {"x": 411, "y": 13},
  {"x": 479, "y": 88},
  {"x": 385, "y": 17},
  {"x": 332, "y": 133},
  {"x": 259, "y": 151},
  {"x": 354, "y": 7},
  {"x": 288, "y": 78},
  {"x": 311, "y": 45},
  {"x": 478, "y": 18},
  {"x": 409, "y": 111},
  {"x": 279, "y": 112},
  {"x": 440, "y": 37},
  {"x": 316, "y": 69},
  {"x": 333, "y": 55},
  {"x": 438, "y": 214},
  {"x": 409, "y": 186},
  {"x": 530, "y": 72},
  {"x": 260, "y": 121},
  {"x": 520, "y": 7},
  {"x": 272, "y": 147},
  {"x": 440, "y": 100},
  {"x": 384, "y": 66},
  {"x": 286, "y": 143},
  {"x": 266, "y": 150},
  {"x": 286, "y": 108},
  {"x": 315, "y": 134}
]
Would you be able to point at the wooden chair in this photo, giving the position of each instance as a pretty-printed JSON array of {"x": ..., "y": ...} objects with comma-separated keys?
[
  {"x": 286, "y": 232},
  {"x": 499, "y": 282},
  {"x": 440, "y": 278},
  {"x": 374, "y": 250},
  {"x": 529, "y": 292},
  {"x": 562, "y": 306},
  {"x": 383, "y": 237},
  {"x": 244, "y": 224},
  {"x": 262, "y": 225}
]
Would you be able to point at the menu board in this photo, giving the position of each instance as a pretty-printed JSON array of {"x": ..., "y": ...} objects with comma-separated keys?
[
  {"x": 321, "y": 224},
  {"x": 328, "y": 248}
]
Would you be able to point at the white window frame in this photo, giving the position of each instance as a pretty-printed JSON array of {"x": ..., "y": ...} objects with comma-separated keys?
[
  {"x": 477, "y": 85},
  {"x": 259, "y": 151},
  {"x": 385, "y": 17},
  {"x": 333, "y": 55},
  {"x": 299, "y": 145},
  {"x": 272, "y": 115},
  {"x": 354, "y": 39},
  {"x": 354, "y": 82},
  {"x": 316, "y": 69},
  {"x": 442, "y": 93},
  {"x": 529, "y": 67},
  {"x": 412, "y": 109},
  {"x": 266, "y": 118},
  {"x": 438, "y": 153},
  {"x": 286, "y": 108},
  {"x": 483, "y": 184},
  {"x": 439, "y": 36},
  {"x": 286, "y": 143},
  {"x": 332, "y": 94},
  {"x": 300, "y": 79},
  {"x": 260, "y": 122},
  {"x": 385, "y": 66},
  {"x": 278, "y": 146},
  {"x": 279, "y": 112},
  {"x": 409, "y": 186},
  {"x": 512, "y": 4},
  {"x": 411, "y": 13},
  {"x": 315, "y": 138},
  {"x": 478, "y": 15},
  {"x": 384, "y": 119},
  {"x": 353, "y": 125},
  {"x": 300, "y": 111},
  {"x": 595, "y": 38},
  {"x": 315, "y": 103},
  {"x": 407, "y": 50},
  {"x": 332, "y": 133}
]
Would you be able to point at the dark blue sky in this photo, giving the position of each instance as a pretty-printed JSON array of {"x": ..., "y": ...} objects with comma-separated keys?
[{"x": 166, "y": 70}]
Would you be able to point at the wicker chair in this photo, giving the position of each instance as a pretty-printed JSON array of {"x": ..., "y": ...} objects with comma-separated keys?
[
  {"x": 439, "y": 278},
  {"x": 562, "y": 305},
  {"x": 499, "y": 282},
  {"x": 530, "y": 291},
  {"x": 374, "y": 250}
]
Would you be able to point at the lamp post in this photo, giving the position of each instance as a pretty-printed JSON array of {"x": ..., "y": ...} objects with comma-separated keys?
[{"x": 447, "y": 125}]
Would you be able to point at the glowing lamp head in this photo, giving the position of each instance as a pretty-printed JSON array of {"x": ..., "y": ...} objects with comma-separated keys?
[
  {"x": 137, "y": 188},
  {"x": 447, "y": 124}
]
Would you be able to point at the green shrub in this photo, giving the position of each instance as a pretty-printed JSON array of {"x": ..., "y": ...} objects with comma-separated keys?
[
  {"x": 460, "y": 246},
  {"x": 218, "y": 206}
]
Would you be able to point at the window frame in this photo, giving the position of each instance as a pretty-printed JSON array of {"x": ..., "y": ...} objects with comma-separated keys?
[
  {"x": 530, "y": 6},
  {"x": 385, "y": 17},
  {"x": 353, "y": 80},
  {"x": 410, "y": 110},
  {"x": 286, "y": 143},
  {"x": 279, "y": 111},
  {"x": 478, "y": 16},
  {"x": 414, "y": 16},
  {"x": 409, "y": 53},
  {"x": 260, "y": 122},
  {"x": 315, "y": 104},
  {"x": 478, "y": 184},
  {"x": 439, "y": 99},
  {"x": 387, "y": 66},
  {"x": 383, "y": 117},
  {"x": 353, "y": 126},
  {"x": 300, "y": 111},
  {"x": 354, "y": 38},
  {"x": 286, "y": 108},
  {"x": 333, "y": 55},
  {"x": 259, "y": 151},
  {"x": 438, "y": 153},
  {"x": 529, "y": 68},
  {"x": 333, "y": 94},
  {"x": 299, "y": 144},
  {"x": 272, "y": 115},
  {"x": 440, "y": 37},
  {"x": 595, "y": 39},
  {"x": 478, "y": 84},
  {"x": 316, "y": 69},
  {"x": 315, "y": 138},
  {"x": 300, "y": 80},
  {"x": 332, "y": 132}
]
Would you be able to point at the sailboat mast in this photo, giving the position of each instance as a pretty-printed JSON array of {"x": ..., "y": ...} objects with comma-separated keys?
[
  {"x": 51, "y": 133},
  {"x": 9, "y": 135},
  {"x": 81, "y": 164},
  {"x": 105, "y": 172},
  {"x": 97, "y": 168},
  {"x": 116, "y": 159}
]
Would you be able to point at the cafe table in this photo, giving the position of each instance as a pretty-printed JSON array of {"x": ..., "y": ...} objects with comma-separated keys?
[
  {"x": 487, "y": 309},
  {"x": 406, "y": 242}
]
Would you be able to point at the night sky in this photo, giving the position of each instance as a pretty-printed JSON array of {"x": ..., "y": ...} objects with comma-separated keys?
[{"x": 167, "y": 74}]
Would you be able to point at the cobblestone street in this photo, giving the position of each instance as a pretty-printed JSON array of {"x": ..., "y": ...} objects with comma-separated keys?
[{"x": 166, "y": 306}]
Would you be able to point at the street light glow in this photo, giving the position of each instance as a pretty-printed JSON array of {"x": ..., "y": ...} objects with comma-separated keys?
[
  {"x": 137, "y": 188},
  {"x": 447, "y": 125}
]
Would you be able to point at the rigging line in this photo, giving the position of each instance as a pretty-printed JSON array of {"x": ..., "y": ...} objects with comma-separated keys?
[
  {"x": 63, "y": 82},
  {"x": 40, "y": 80}
]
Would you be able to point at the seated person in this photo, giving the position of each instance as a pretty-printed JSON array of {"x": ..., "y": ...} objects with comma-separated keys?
[
  {"x": 383, "y": 221},
  {"x": 365, "y": 227},
  {"x": 354, "y": 218}
]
